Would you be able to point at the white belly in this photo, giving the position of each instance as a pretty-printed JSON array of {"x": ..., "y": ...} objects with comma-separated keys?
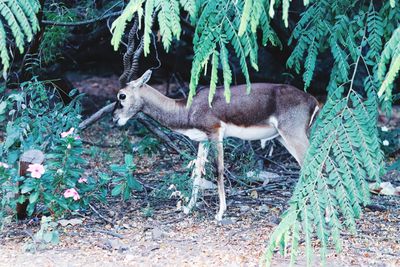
[
  {"x": 265, "y": 132},
  {"x": 193, "y": 134}
]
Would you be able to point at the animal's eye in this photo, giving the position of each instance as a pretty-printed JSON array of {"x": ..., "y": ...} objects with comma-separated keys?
[{"x": 122, "y": 96}]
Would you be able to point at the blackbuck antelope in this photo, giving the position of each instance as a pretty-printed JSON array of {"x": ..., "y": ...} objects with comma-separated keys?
[{"x": 269, "y": 111}]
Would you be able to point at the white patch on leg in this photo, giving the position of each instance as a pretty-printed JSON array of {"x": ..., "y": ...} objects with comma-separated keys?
[
  {"x": 198, "y": 170},
  {"x": 220, "y": 179},
  {"x": 274, "y": 122}
]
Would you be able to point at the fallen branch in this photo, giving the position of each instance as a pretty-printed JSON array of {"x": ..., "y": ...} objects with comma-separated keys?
[
  {"x": 111, "y": 233},
  {"x": 100, "y": 215},
  {"x": 96, "y": 116},
  {"x": 140, "y": 117},
  {"x": 79, "y": 23}
]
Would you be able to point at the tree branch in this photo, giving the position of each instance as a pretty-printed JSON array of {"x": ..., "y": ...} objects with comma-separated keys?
[
  {"x": 96, "y": 116},
  {"x": 79, "y": 23}
]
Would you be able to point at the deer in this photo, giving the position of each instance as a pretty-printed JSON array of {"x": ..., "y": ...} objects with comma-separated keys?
[{"x": 270, "y": 111}]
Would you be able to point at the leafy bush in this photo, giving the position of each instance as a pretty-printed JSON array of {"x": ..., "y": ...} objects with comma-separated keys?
[
  {"x": 47, "y": 235},
  {"x": 37, "y": 120},
  {"x": 125, "y": 182}
]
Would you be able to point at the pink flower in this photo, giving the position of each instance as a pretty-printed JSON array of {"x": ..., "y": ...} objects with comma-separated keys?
[
  {"x": 71, "y": 193},
  {"x": 67, "y": 133},
  {"x": 82, "y": 180},
  {"x": 77, "y": 137},
  {"x": 4, "y": 165},
  {"x": 36, "y": 170}
]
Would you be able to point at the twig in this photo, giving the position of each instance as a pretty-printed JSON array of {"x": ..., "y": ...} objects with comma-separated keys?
[
  {"x": 111, "y": 233},
  {"x": 100, "y": 145},
  {"x": 79, "y": 23},
  {"x": 101, "y": 216},
  {"x": 142, "y": 118},
  {"x": 260, "y": 188},
  {"x": 96, "y": 116}
]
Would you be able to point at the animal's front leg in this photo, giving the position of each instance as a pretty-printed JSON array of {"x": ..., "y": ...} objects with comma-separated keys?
[
  {"x": 220, "y": 181},
  {"x": 196, "y": 175}
]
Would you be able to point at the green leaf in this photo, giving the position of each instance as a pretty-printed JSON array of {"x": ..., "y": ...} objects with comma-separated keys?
[
  {"x": 214, "y": 77},
  {"x": 26, "y": 188},
  {"x": 118, "y": 168},
  {"x": 133, "y": 183},
  {"x": 119, "y": 25},
  {"x": 33, "y": 197},
  {"x": 117, "y": 189},
  {"x": 128, "y": 159},
  {"x": 3, "y": 106}
]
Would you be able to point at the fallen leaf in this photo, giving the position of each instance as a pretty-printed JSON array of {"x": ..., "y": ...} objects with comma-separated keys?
[
  {"x": 74, "y": 221},
  {"x": 384, "y": 188}
]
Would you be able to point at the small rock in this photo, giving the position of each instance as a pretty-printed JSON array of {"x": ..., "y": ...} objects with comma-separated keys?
[
  {"x": 129, "y": 257},
  {"x": 227, "y": 221},
  {"x": 72, "y": 222},
  {"x": 115, "y": 244},
  {"x": 157, "y": 234},
  {"x": 244, "y": 209},
  {"x": 263, "y": 209}
]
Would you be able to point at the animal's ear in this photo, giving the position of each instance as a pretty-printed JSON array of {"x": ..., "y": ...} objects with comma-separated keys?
[
  {"x": 142, "y": 80},
  {"x": 146, "y": 77}
]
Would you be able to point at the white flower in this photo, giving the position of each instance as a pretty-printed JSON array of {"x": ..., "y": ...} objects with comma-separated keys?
[
  {"x": 4, "y": 165},
  {"x": 384, "y": 129},
  {"x": 36, "y": 170},
  {"x": 385, "y": 142},
  {"x": 171, "y": 187}
]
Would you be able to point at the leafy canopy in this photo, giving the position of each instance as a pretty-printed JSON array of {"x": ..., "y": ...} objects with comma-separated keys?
[{"x": 17, "y": 20}]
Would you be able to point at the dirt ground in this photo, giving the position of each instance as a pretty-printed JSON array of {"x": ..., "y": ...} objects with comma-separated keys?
[
  {"x": 149, "y": 231},
  {"x": 171, "y": 239}
]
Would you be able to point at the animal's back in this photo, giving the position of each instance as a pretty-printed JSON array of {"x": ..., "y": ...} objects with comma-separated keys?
[{"x": 263, "y": 101}]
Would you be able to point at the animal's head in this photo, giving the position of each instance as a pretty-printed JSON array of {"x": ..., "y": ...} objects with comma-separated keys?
[{"x": 129, "y": 102}]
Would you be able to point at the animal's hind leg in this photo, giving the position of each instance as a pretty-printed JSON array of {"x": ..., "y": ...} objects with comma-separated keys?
[
  {"x": 196, "y": 175},
  {"x": 220, "y": 181},
  {"x": 295, "y": 142}
]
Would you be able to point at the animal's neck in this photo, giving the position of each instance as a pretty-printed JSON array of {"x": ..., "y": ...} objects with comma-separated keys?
[{"x": 165, "y": 110}]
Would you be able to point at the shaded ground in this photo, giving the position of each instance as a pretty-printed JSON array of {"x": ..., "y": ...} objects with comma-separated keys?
[{"x": 149, "y": 231}]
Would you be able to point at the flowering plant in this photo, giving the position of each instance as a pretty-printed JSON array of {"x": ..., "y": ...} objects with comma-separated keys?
[{"x": 36, "y": 120}]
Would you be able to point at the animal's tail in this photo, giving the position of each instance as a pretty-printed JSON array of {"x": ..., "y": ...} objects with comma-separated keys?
[
  {"x": 314, "y": 115},
  {"x": 315, "y": 111}
]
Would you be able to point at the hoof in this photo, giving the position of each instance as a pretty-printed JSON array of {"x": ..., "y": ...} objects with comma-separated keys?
[
  {"x": 186, "y": 210},
  {"x": 218, "y": 217}
]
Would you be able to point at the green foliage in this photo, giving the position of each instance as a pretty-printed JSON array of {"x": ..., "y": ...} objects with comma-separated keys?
[
  {"x": 126, "y": 182},
  {"x": 218, "y": 23},
  {"x": 147, "y": 146},
  {"x": 55, "y": 37},
  {"x": 37, "y": 120},
  {"x": 345, "y": 150},
  {"x": 391, "y": 53},
  {"x": 119, "y": 25},
  {"x": 17, "y": 20},
  {"x": 47, "y": 235}
]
